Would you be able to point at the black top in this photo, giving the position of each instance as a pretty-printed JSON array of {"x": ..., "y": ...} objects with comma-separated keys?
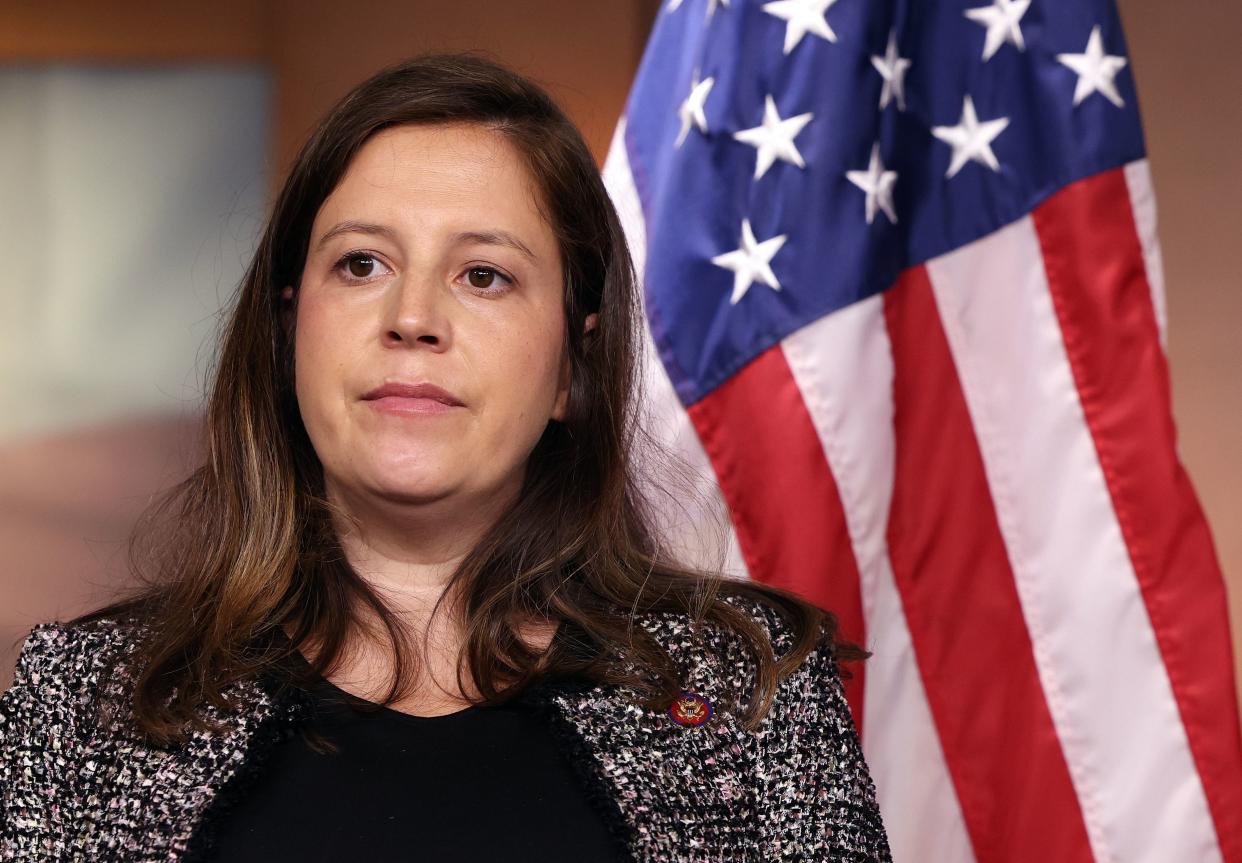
[{"x": 481, "y": 784}]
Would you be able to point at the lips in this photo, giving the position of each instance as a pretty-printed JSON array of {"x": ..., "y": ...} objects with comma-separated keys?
[{"x": 420, "y": 390}]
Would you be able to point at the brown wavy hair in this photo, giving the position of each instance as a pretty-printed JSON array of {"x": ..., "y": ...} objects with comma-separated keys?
[{"x": 244, "y": 548}]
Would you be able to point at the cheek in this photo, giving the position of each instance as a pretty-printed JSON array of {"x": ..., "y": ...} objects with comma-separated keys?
[
  {"x": 523, "y": 374},
  {"x": 320, "y": 340}
]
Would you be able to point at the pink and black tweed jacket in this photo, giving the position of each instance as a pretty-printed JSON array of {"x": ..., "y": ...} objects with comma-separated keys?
[{"x": 796, "y": 789}]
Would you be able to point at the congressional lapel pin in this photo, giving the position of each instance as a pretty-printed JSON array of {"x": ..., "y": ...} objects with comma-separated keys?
[{"x": 690, "y": 710}]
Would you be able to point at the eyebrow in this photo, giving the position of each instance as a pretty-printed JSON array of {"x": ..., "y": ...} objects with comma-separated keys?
[
  {"x": 495, "y": 238},
  {"x": 491, "y": 237},
  {"x": 356, "y": 228}
]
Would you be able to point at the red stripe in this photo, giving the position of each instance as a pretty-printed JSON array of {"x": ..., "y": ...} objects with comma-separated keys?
[
  {"x": 1094, "y": 261},
  {"x": 962, "y": 607},
  {"x": 781, "y": 495}
]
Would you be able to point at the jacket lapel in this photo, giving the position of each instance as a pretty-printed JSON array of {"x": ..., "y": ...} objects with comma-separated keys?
[
  {"x": 662, "y": 786},
  {"x": 172, "y": 794},
  {"x": 225, "y": 766}
]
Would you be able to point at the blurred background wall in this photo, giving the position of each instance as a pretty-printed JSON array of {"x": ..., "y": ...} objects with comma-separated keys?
[{"x": 72, "y": 478}]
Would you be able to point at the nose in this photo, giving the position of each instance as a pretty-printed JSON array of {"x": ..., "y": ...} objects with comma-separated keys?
[{"x": 415, "y": 313}]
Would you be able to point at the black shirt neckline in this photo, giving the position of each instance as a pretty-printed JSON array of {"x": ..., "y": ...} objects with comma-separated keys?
[
  {"x": 325, "y": 690},
  {"x": 327, "y": 687}
]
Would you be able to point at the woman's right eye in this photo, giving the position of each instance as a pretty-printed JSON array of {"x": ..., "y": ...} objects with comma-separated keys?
[{"x": 360, "y": 266}]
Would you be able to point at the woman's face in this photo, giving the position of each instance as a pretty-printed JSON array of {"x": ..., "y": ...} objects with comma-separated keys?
[{"x": 430, "y": 263}]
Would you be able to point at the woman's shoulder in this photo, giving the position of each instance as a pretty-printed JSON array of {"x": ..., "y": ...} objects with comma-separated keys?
[
  {"x": 77, "y": 645},
  {"x": 811, "y": 753},
  {"x": 61, "y": 666},
  {"x": 679, "y": 632},
  {"x": 810, "y": 777}
]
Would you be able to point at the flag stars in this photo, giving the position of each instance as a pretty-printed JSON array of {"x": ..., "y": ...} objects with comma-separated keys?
[
  {"x": 802, "y": 17},
  {"x": 878, "y": 184},
  {"x": 774, "y": 139},
  {"x": 1002, "y": 22},
  {"x": 1097, "y": 71},
  {"x": 892, "y": 69},
  {"x": 970, "y": 139},
  {"x": 691, "y": 110},
  {"x": 751, "y": 262}
]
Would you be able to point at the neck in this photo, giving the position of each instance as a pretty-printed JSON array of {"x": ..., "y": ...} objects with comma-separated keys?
[
  {"x": 408, "y": 554},
  {"x": 408, "y": 550}
]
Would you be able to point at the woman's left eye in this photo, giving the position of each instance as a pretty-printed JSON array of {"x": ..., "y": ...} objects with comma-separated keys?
[{"x": 485, "y": 279}]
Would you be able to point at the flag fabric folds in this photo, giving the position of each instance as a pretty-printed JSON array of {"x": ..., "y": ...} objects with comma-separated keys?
[{"x": 906, "y": 316}]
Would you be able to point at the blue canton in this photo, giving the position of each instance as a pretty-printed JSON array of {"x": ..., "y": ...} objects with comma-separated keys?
[{"x": 988, "y": 108}]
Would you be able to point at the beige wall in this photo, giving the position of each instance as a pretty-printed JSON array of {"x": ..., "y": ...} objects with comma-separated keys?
[
  {"x": 62, "y": 545},
  {"x": 586, "y": 53}
]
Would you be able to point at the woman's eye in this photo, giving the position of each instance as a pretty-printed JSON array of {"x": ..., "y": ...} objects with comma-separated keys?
[
  {"x": 485, "y": 278},
  {"x": 360, "y": 265}
]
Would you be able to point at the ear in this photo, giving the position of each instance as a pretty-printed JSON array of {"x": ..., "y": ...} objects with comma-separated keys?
[
  {"x": 562, "y": 393},
  {"x": 286, "y": 309}
]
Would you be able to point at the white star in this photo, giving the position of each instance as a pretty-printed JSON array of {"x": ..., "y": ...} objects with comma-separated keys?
[
  {"x": 802, "y": 17},
  {"x": 774, "y": 139},
  {"x": 892, "y": 69},
  {"x": 1096, "y": 70},
  {"x": 691, "y": 110},
  {"x": 970, "y": 139},
  {"x": 878, "y": 184},
  {"x": 1001, "y": 19},
  {"x": 752, "y": 261}
]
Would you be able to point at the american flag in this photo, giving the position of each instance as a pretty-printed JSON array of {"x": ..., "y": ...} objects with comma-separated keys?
[{"x": 905, "y": 301}]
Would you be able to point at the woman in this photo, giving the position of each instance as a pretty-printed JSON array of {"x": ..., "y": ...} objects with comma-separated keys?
[{"x": 412, "y": 605}]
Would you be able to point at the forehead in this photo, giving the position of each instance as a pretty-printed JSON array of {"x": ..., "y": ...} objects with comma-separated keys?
[{"x": 460, "y": 173}]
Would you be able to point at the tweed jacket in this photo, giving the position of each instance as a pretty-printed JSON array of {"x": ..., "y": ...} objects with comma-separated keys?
[{"x": 795, "y": 789}]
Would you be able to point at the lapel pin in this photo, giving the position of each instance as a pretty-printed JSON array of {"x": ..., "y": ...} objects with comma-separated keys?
[{"x": 690, "y": 710}]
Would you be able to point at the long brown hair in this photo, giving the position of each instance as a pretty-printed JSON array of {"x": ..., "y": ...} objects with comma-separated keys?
[{"x": 244, "y": 547}]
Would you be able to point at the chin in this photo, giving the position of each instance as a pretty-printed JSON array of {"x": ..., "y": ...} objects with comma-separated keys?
[{"x": 410, "y": 489}]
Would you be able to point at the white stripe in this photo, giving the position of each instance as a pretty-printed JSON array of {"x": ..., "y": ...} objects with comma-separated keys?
[
  {"x": 620, "y": 184},
  {"x": 1101, "y": 669},
  {"x": 843, "y": 366},
  {"x": 1143, "y": 203},
  {"x": 692, "y": 516}
]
